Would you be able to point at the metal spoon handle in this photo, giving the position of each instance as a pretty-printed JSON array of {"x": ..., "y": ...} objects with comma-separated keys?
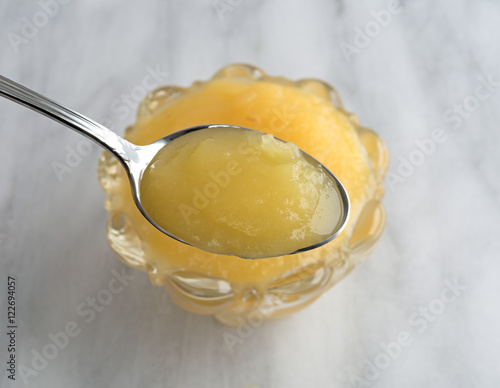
[{"x": 119, "y": 147}]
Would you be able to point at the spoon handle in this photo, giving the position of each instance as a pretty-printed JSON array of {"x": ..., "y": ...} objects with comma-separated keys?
[{"x": 119, "y": 147}]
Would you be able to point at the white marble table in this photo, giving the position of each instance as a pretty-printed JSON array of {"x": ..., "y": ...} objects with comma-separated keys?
[{"x": 422, "y": 311}]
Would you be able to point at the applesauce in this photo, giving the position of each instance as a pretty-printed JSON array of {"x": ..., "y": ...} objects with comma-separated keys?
[
  {"x": 309, "y": 114},
  {"x": 240, "y": 192}
]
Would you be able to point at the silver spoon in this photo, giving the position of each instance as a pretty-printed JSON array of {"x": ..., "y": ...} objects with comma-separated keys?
[{"x": 135, "y": 159}]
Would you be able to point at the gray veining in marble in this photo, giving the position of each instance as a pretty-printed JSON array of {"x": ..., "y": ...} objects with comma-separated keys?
[{"x": 427, "y": 81}]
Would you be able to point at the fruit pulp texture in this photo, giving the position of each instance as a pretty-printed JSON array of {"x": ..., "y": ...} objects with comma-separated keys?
[
  {"x": 309, "y": 121},
  {"x": 239, "y": 192}
]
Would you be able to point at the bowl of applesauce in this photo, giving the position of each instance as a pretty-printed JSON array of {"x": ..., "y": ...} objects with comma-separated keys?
[{"x": 308, "y": 113}]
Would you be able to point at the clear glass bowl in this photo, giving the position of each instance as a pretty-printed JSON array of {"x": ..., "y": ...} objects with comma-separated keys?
[{"x": 233, "y": 289}]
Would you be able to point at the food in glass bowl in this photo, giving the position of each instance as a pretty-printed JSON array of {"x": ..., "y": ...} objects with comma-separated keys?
[{"x": 308, "y": 113}]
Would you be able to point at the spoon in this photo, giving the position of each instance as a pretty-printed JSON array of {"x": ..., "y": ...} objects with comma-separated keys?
[{"x": 134, "y": 158}]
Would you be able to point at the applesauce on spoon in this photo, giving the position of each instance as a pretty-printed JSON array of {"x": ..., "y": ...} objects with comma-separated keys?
[{"x": 241, "y": 192}]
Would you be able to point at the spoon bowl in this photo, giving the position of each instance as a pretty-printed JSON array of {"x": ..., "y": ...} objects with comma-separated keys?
[{"x": 136, "y": 159}]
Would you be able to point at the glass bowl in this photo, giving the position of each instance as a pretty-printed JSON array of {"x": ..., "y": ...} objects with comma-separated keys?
[{"x": 232, "y": 289}]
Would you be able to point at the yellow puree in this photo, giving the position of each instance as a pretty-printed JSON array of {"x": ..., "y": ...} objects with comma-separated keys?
[
  {"x": 291, "y": 114},
  {"x": 239, "y": 192}
]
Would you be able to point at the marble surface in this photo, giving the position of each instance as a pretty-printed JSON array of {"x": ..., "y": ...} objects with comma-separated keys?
[{"x": 423, "y": 310}]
